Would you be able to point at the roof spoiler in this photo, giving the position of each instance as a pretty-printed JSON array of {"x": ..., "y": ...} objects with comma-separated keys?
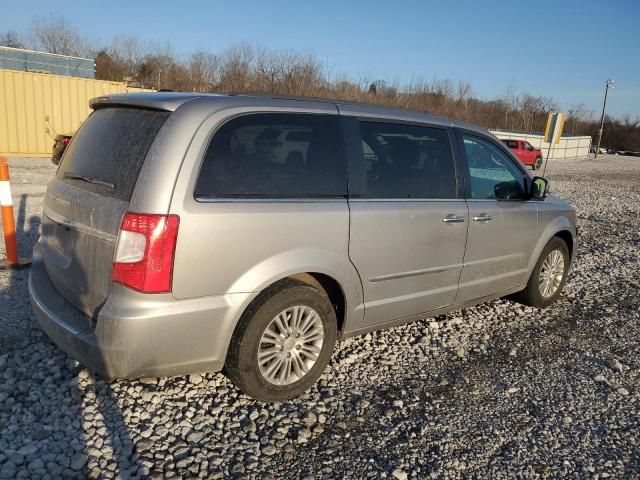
[{"x": 166, "y": 101}]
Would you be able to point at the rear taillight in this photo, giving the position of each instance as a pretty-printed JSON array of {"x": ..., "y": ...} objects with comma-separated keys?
[
  {"x": 144, "y": 254},
  {"x": 66, "y": 140}
]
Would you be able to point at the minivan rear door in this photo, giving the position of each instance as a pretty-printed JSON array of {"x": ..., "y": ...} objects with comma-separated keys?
[
  {"x": 85, "y": 202},
  {"x": 408, "y": 218}
]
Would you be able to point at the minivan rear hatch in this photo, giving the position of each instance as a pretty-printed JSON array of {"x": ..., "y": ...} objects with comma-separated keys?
[{"x": 85, "y": 202}]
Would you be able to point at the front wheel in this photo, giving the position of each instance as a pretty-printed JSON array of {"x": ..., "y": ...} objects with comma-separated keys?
[
  {"x": 283, "y": 342},
  {"x": 548, "y": 276}
]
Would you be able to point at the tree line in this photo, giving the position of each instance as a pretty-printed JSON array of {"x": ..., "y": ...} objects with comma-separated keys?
[{"x": 245, "y": 68}]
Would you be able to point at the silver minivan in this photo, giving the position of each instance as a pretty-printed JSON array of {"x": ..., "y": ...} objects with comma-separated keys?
[{"x": 191, "y": 232}]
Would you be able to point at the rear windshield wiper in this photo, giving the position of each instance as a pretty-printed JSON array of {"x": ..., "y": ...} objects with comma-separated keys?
[{"x": 95, "y": 181}]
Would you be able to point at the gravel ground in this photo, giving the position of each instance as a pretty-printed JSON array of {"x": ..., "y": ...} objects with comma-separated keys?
[{"x": 494, "y": 391}]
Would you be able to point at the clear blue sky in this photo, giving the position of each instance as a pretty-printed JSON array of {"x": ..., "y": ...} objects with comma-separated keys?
[{"x": 562, "y": 49}]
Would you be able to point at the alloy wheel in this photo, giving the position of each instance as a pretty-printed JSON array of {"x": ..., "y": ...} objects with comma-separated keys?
[
  {"x": 551, "y": 273},
  {"x": 290, "y": 345}
]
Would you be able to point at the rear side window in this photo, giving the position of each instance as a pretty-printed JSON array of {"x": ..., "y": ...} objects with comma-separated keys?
[
  {"x": 275, "y": 155},
  {"x": 105, "y": 156},
  {"x": 407, "y": 161},
  {"x": 510, "y": 143}
]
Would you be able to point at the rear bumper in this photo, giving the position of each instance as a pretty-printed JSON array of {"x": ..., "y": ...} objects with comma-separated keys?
[{"x": 138, "y": 335}]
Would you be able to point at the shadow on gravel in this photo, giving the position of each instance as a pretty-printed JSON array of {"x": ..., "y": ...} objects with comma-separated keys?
[
  {"x": 16, "y": 322},
  {"x": 57, "y": 420}
]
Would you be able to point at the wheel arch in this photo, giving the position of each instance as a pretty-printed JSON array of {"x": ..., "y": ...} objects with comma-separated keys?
[
  {"x": 560, "y": 227},
  {"x": 567, "y": 237},
  {"x": 331, "y": 287}
]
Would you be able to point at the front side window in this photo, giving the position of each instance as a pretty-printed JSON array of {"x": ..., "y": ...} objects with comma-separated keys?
[
  {"x": 275, "y": 155},
  {"x": 493, "y": 175},
  {"x": 406, "y": 161}
]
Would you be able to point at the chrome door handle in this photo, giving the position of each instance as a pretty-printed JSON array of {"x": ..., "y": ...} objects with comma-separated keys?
[
  {"x": 483, "y": 217},
  {"x": 451, "y": 218}
]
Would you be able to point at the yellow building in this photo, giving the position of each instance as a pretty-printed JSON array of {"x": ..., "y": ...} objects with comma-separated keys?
[{"x": 34, "y": 107}]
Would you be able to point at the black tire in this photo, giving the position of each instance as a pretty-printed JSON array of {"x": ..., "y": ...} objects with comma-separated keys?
[
  {"x": 241, "y": 364},
  {"x": 532, "y": 295},
  {"x": 537, "y": 164}
]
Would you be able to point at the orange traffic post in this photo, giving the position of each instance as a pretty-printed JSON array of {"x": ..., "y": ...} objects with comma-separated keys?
[{"x": 8, "y": 223}]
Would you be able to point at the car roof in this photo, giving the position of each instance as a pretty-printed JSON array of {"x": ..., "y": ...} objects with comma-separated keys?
[{"x": 171, "y": 101}]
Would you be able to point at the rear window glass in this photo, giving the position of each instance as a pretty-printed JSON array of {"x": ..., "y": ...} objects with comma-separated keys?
[
  {"x": 105, "y": 156},
  {"x": 275, "y": 155},
  {"x": 510, "y": 143}
]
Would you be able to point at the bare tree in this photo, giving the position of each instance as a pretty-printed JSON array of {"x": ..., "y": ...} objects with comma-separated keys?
[
  {"x": 576, "y": 115},
  {"x": 243, "y": 67},
  {"x": 236, "y": 65},
  {"x": 203, "y": 69},
  {"x": 56, "y": 35},
  {"x": 128, "y": 52},
  {"x": 11, "y": 39},
  {"x": 268, "y": 71},
  {"x": 510, "y": 102}
]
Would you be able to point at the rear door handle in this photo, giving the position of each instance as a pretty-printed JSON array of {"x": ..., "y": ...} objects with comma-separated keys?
[
  {"x": 483, "y": 217},
  {"x": 452, "y": 218}
]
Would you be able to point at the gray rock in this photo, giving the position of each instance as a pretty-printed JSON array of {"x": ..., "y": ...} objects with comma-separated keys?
[
  {"x": 399, "y": 474},
  {"x": 310, "y": 419},
  {"x": 144, "y": 445},
  {"x": 78, "y": 461},
  {"x": 195, "y": 437},
  {"x": 35, "y": 464},
  {"x": 8, "y": 470},
  {"x": 269, "y": 450}
]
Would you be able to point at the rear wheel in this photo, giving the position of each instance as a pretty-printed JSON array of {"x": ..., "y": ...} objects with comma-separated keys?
[
  {"x": 548, "y": 276},
  {"x": 283, "y": 342},
  {"x": 538, "y": 163}
]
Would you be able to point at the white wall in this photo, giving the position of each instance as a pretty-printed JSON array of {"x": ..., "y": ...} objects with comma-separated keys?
[{"x": 569, "y": 147}]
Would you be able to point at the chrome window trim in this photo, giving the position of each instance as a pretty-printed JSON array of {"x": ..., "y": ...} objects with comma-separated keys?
[
  {"x": 405, "y": 200},
  {"x": 270, "y": 200},
  {"x": 249, "y": 199},
  {"x": 521, "y": 200}
]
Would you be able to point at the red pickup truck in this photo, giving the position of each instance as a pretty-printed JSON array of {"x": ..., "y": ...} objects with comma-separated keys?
[{"x": 525, "y": 152}]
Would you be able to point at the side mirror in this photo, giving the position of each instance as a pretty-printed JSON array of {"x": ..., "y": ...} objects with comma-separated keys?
[
  {"x": 508, "y": 191},
  {"x": 539, "y": 188}
]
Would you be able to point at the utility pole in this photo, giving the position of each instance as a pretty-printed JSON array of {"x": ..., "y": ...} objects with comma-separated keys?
[{"x": 607, "y": 85}]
